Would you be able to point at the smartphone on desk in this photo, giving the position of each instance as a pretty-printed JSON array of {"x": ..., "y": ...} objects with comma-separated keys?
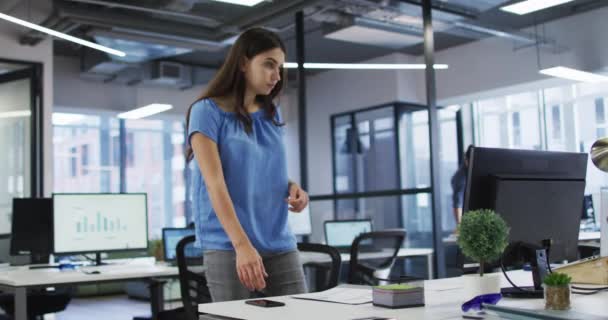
[{"x": 264, "y": 303}]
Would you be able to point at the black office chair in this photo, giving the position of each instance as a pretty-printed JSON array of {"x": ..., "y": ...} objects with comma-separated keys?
[
  {"x": 193, "y": 285},
  {"x": 39, "y": 302},
  {"x": 384, "y": 246},
  {"x": 328, "y": 274}
]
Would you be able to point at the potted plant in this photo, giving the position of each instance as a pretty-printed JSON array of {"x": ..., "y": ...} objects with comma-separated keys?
[
  {"x": 483, "y": 236},
  {"x": 557, "y": 291},
  {"x": 155, "y": 249}
]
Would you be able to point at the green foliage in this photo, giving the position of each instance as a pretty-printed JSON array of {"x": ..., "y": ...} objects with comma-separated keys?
[
  {"x": 483, "y": 236},
  {"x": 557, "y": 279}
]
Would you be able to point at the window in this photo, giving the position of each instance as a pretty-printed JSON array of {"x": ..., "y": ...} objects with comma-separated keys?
[
  {"x": 73, "y": 162},
  {"x": 509, "y": 122},
  {"x": 600, "y": 113},
  {"x": 88, "y": 159},
  {"x": 516, "y": 129},
  {"x": 556, "y": 122},
  {"x": 84, "y": 159}
]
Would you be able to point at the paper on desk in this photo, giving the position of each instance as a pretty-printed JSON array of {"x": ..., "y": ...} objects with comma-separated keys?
[{"x": 340, "y": 295}]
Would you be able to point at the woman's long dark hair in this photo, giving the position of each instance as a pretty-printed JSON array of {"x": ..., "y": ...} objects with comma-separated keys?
[{"x": 230, "y": 80}]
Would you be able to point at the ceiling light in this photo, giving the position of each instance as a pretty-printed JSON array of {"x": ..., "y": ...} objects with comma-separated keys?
[
  {"x": 573, "y": 74},
  {"x": 15, "y": 114},
  {"x": 365, "y": 66},
  {"x": 249, "y": 3},
  {"x": 145, "y": 111},
  {"x": 62, "y": 119},
  {"x": 61, "y": 35},
  {"x": 528, "y": 6}
]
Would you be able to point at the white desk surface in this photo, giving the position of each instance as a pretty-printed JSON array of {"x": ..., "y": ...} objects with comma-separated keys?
[
  {"x": 443, "y": 301},
  {"x": 309, "y": 257},
  {"x": 25, "y": 277}
]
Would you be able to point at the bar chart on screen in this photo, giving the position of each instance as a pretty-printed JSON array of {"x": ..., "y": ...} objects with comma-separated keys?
[{"x": 85, "y": 222}]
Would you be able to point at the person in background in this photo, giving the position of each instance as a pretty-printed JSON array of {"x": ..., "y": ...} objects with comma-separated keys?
[{"x": 459, "y": 184}]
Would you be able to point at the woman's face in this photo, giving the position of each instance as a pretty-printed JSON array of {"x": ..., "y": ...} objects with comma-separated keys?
[{"x": 263, "y": 71}]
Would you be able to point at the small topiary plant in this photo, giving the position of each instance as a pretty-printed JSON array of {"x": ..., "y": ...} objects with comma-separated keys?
[
  {"x": 557, "y": 279},
  {"x": 483, "y": 236}
]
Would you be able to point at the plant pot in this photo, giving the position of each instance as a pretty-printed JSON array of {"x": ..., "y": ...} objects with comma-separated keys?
[
  {"x": 557, "y": 297},
  {"x": 475, "y": 285}
]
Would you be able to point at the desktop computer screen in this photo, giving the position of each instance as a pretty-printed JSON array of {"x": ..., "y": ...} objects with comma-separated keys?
[
  {"x": 341, "y": 233},
  {"x": 92, "y": 223},
  {"x": 171, "y": 236},
  {"x": 32, "y": 227},
  {"x": 539, "y": 194}
]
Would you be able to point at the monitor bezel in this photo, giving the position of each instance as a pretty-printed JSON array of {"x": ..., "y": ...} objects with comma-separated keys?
[{"x": 62, "y": 253}]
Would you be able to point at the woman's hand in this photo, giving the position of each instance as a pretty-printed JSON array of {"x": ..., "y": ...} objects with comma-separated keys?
[
  {"x": 298, "y": 198},
  {"x": 250, "y": 268}
]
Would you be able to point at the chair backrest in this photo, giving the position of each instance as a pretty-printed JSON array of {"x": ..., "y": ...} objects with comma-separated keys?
[
  {"x": 193, "y": 284},
  {"x": 385, "y": 245},
  {"x": 334, "y": 268}
]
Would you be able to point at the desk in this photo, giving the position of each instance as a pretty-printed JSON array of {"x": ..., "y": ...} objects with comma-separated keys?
[
  {"x": 443, "y": 300},
  {"x": 312, "y": 257},
  {"x": 19, "y": 279}
]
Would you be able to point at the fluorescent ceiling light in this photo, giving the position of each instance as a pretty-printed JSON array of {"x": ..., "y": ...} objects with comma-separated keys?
[
  {"x": 249, "y": 3},
  {"x": 364, "y": 66},
  {"x": 15, "y": 114},
  {"x": 145, "y": 111},
  {"x": 573, "y": 74},
  {"x": 62, "y": 119},
  {"x": 528, "y": 6},
  {"x": 61, "y": 35}
]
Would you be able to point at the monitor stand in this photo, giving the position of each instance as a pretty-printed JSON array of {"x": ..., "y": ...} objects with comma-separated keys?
[
  {"x": 98, "y": 261},
  {"x": 36, "y": 258}
]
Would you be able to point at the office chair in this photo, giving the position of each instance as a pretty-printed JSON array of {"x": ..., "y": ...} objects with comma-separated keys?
[
  {"x": 327, "y": 275},
  {"x": 193, "y": 285},
  {"x": 39, "y": 303},
  {"x": 385, "y": 245}
]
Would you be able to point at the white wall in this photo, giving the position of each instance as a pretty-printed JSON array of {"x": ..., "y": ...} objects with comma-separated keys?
[{"x": 42, "y": 53}]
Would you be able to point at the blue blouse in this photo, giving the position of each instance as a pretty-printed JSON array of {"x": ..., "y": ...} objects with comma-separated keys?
[{"x": 255, "y": 171}]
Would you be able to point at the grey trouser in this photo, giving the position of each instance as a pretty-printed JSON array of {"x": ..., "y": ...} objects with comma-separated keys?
[{"x": 285, "y": 275}]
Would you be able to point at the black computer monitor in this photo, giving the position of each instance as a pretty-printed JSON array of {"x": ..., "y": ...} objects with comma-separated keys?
[
  {"x": 99, "y": 222},
  {"x": 171, "y": 236},
  {"x": 32, "y": 228},
  {"x": 539, "y": 194}
]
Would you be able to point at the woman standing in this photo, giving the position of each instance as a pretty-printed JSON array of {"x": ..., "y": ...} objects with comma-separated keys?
[{"x": 241, "y": 192}]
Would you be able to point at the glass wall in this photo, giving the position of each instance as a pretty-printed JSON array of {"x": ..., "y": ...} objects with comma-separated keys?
[
  {"x": 16, "y": 141},
  {"x": 381, "y": 159},
  {"x": 87, "y": 153}
]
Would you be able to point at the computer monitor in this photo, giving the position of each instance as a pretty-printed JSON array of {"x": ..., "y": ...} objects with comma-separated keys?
[
  {"x": 341, "y": 233},
  {"x": 300, "y": 222},
  {"x": 539, "y": 194},
  {"x": 171, "y": 236},
  {"x": 95, "y": 223},
  {"x": 32, "y": 228}
]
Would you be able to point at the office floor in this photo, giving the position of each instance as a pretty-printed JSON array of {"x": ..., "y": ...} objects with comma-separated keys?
[{"x": 118, "y": 307}]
